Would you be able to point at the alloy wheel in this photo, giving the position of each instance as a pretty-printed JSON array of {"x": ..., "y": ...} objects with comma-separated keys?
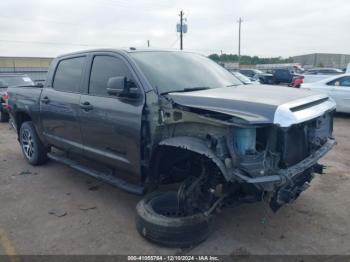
[{"x": 28, "y": 144}]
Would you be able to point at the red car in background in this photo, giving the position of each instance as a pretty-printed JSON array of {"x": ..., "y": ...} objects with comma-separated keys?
[{"x": 297, "y": 81}]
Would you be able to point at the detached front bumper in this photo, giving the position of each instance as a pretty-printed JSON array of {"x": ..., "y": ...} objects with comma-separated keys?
[{"x": 285, "y": 175}]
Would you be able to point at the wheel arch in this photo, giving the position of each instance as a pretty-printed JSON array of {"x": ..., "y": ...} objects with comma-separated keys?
[
  {"x": 190, "y": 144},
  {"x": 20, "y": 118}
]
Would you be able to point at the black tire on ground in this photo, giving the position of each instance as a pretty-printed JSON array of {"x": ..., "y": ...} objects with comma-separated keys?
[
  {"x": 33, "y": 149},
  {"x": 155, "y": 220},
  {"x": 4, "y": 117}
]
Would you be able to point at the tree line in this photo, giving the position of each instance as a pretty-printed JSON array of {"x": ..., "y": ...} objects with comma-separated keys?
[{"x": 250, "y": 60}]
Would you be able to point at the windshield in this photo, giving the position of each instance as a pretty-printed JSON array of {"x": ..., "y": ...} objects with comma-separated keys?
[
  {"x": 7, "y": 81},
  {"x": 180, "y": 71}
]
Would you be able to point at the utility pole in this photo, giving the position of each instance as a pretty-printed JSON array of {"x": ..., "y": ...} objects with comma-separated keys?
[
  {"x": 239, "y": 40},
  {"x": 181, "y": 28},
  {"x": 181, "y": 31},
  {"x": 148, "y": 43}
]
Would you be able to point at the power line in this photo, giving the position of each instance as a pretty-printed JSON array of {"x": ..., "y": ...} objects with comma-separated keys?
[
  {"x": 177, "y": 39},
  {"x": 47, "y": 43},
  {"x": 149, "y": 4},
  {"x": 128, "y": 6},
  {"x": 70, "y": 24}
]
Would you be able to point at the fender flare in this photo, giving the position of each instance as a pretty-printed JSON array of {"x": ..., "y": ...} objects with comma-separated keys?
[{"x": 196, "y": 145}]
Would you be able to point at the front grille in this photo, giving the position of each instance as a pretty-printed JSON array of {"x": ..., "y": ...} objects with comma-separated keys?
[
  {"x": 293, "y": 144},
  {"x": 299, "y": 141}
]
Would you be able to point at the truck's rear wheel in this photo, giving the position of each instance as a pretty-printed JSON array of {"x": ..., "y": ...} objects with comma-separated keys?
[
  {"x": 33, "y": 149},
  {"x": 158, "y": 219}
]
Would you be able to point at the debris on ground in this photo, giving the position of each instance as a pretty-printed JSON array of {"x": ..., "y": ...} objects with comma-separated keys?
[
  {"x": 94, "y": 188},
  {"x": 27, "y": 172},
  {"x": 57, "y": 212},
  {"x": 86, "y": 207}
]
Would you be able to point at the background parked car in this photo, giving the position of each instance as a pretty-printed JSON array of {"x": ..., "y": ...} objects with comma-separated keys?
[
  {"x": 297, "y": 81},
  {"x": 324, "y": 71},
  {"x": 253, "y": 74},
  {"x": 347, "y": 71},
  {"x": 10, "y": 80},
  {"x": 318, "y": 74},
  {"x": 282, "y": 76},
  {"x": 245, "y": 80},
  {"x": 337, "y": 87}
]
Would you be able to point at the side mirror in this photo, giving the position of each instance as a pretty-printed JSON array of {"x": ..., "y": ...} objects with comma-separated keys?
[
  {"x": 117, "y": 85},
  {"x": 121, "y": 86}
]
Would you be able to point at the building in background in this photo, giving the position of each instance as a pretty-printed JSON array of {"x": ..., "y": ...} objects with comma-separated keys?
[
  {"x": 35, "y": 67},
  {"x": 322, "y": 60}
]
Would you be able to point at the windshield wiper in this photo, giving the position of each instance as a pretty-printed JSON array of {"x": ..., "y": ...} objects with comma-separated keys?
[{"x": 187, "y": 89}]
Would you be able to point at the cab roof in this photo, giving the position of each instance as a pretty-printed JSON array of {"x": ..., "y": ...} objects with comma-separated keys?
[{"x": 122, "y": 50}]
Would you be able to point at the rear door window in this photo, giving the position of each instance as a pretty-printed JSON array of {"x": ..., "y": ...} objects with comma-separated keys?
[{"x": 68, "y": 75}]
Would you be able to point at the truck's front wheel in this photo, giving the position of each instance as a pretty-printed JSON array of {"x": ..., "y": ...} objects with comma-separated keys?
[{"x": 33, "y": 149}]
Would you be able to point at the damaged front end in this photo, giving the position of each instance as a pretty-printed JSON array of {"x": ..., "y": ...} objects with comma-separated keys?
[
  {"x": 270, "y": 155},
  {"x": 283, "y": 160}
]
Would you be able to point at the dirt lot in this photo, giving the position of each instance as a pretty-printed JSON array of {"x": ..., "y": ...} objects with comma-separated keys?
[{"x": 94, "y": 218}]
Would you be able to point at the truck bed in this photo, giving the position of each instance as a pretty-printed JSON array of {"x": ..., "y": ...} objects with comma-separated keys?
[{"x": 24, "y": 99}]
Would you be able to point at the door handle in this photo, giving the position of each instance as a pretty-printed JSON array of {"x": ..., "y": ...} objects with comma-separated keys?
[
  {"x": 45, "y": 100},
  {"x": 86, "y": 106}
]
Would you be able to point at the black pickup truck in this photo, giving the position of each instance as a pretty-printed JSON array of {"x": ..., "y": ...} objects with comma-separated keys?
[
  {"x": 281, "y": 76},
  {"x": 141, "y": 119}
]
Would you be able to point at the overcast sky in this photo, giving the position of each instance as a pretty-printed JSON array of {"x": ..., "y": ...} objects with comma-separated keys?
[{"x": 270, "y": 28}]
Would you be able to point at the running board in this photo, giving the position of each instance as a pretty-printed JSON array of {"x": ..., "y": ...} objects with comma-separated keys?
[{"x": 112, "y": 180}]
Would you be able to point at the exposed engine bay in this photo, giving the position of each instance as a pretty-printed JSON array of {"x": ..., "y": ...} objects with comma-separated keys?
[{"x": 223, "y": 160}]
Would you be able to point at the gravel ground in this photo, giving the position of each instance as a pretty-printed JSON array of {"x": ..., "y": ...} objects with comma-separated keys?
[{"x": 53, "y": 209}]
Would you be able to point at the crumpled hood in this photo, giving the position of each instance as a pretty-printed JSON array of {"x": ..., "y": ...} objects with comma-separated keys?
[{"x": 256, "y": 104}]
